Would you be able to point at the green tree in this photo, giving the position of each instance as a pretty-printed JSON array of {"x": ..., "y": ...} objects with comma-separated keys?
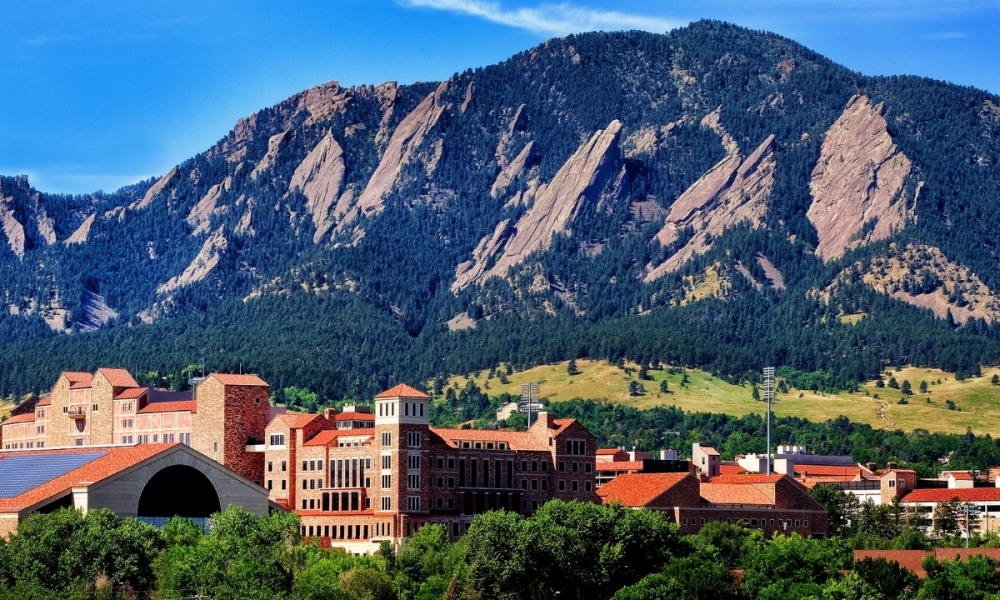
[
  {"x": 571, "y": 368},
  {"x": 754, "y": 392},
  {"x": 995, "y": 380},
  {"x": 840, "y": 505},
  {"x": 906, "y": 389},
  {"x": 974, "y": 579},
  {"x": 887, "y": 578},
  {"x": 893, "y": 383},
  {"x": 946, "y": 515},
  {"x": 923, "y": 387},
  {"x": 664, "y": 388},
  {"x": 636, "y": 389},
  {"x": 793, "y": 567}
]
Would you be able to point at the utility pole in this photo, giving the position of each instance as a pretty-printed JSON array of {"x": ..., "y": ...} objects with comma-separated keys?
[{"x": 768, "y": 396}]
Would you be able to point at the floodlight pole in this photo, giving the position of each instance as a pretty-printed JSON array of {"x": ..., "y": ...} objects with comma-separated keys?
[{"x": 768, "y": 396}]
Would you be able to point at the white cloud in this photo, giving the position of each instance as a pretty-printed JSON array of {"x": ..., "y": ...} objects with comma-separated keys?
[{"x": 555, "y": 19}]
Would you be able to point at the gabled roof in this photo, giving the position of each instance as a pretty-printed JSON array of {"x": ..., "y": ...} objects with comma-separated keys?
[
  {"x": 851, "y": 472},
  {"x": 983, "y": 494},
  {"x": 639, "y": 489},
  {"x": 709, "y": 450},
  {"x": 608, "y": 451},
  {"x": 960, "y": 476},
  {"x": 28, "y": 417},
  {"x": 45, "y": 401},
  {"x": 329, "y": 436},
  {"x": 168, "y": 406},
  {"x": 734, "y": 493},
  {"x": 726, "y": 469},
  {"x": 517, "y": 440},
  {"x": 402, "y": 391},
  {"x": 118, "y": 377},
  {"x": 132, "y": 393},
  {"x": 78, "y": 377},
  {"x": 297, "y": 420},
  {"x": 235, "y": 379},
  {"x": 111, "y": 461}
]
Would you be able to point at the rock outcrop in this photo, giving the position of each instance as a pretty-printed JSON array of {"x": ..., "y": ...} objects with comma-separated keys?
[
  {"x": 320, "y": 176},
  {"x": 513, "y": 169},
  {"x": 154, "y": 191},
  {"x": 82, "y": 232},
  {"x": 12, "y": 228},
  {"x": 274, "y": 144},
  {"x": 95, "y": 311},
  {"x": 581, "y": 178},
  {"x": 201, "y": 213},
  {"x": 923, "y": 276},
  {"x": 406, "y": 139},
  {"x": 734, "y": 191},
  {"x": 201, "y": 266},
  {"x": 858, "y": 184}
]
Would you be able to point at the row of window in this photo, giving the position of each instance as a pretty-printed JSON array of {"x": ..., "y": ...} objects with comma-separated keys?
[
  {"x": 782, "y": 523},
  {"x": 21, "y": 445},
  {"x": 346, "y": 532}
]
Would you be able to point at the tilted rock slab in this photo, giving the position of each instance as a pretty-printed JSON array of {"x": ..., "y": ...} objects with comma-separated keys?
[
  {"x": 582, "y": 177},
  {"x": 405, "y": 140},
  {"x": 201, "y": 266},
  {"x": 153, "y": 191},
  {"x": 320, "y": 176},
  {"x": 731, "y": 192},
  {"x": 858, "y": 180},
  {"x": 82, "y": 232}
]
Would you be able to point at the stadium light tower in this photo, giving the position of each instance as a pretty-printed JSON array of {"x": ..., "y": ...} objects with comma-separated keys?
[{"x": 768, "y": 397}]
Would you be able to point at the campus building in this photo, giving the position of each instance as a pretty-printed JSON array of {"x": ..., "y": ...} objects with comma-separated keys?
[
  {"x": 223, "y": 418},
  {"x": 354, "y": 487}
]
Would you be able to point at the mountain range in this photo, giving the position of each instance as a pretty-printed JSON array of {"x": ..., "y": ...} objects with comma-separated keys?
[{"x": 713, "y": 196}]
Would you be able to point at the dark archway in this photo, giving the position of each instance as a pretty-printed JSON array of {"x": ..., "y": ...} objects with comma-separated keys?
[{"x": 178, "y": 491}]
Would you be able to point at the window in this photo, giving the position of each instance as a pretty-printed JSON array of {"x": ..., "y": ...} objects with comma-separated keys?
[
  {"x": 576, "y": 447},
  {"x": 796, "y": 522},
  {"x": 284, "y": 465},
  {"x": 586, "y": 486},
  {"x": 575, "y": 486},
  {"x": 413, "y": 482},
  {"x": 386, "y": 438},
  {"x": 156, "y": 437},
  {"x": 312, "y": 465},
  {"x": 451, "y": 463},
  {"x": 576, "y": 467},
  {"x": 312, "y": 503},
  {"x": 805, "y": 523},
  {"x": 587, "y": 467},
  {"x": 269, "y": 484},
  {"x": 386, "y": 461},
  {"x": 892, "y": 483},
  {"x": 562, "y": 467},
  {"x": 277, "y": 439},
  {"x": 534, "y": 465},
  {"x": 283, "y": 484},
  {"x": 562, "y": 486},
  {"x": 545, "y": 485},
  {"x": 305, "y": 484},
  {"x": 413, "y": 439},
  {"x": 413, "y": 503},
  {"x": 270, "y": 466},
  {"x": 94, "y": 408},
  {"x": 753, "y": 522},
  {"x": 215, "y": 446},
  {"x": 319, "y": 465},
  {"x": 413, "y": 461},
  {"x": 451, "y": 482},
  {"x": 386, "y": 482},
  {"x": 545, "y": 467},
  {"x": 386, "y": 503}
]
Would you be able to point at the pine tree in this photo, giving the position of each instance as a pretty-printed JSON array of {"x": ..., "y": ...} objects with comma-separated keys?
[{"x": 571, "y": 368}]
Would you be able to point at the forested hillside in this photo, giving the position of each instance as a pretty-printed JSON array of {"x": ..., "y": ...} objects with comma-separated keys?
[{"x": 713, "y": 197}]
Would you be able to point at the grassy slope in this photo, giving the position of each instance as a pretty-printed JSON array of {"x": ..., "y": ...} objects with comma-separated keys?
[
  {"x": 5, "y": 408},
  {"x": 978, "y": 400}
]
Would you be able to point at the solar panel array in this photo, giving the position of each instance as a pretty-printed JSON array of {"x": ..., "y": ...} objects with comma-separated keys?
[{"x": 18, "y": 474}]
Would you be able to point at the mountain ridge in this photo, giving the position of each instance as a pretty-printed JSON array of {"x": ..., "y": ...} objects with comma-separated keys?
[{"x": 587, "y": 181}]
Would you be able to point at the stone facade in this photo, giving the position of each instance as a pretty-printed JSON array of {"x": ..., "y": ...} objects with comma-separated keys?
[{"x": 354, "y": 488}]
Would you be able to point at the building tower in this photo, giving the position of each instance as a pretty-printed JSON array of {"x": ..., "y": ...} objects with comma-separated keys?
[
  {"x": 402, "y": 419},
  {"x": 232, "y": 414}
]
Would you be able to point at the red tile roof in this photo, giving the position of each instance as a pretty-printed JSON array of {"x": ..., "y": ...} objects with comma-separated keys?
[
  {"x": 170, "y": 406},
  {"x": 235, "y": 379},
  {"x": 608, "y": 451},
  {"x": 748, "y": 478},
  {"x": 984, "y": 494},
  {"x": 961, "y": 476},
  {"x": 329, "y": 436},
  {"x": 116, "y": 460},
  {"x": 709, "y": 450},
  {"x": 354, "y": 416},
  {"x": 729, "y": 469},
  {"x": 80, "y": 385},
  {"x": 132, "y": 393},
  {"x": 78, "y": 377},
  {"x": 618, "y": 465},
  {"x": 829, "y": 471},
  {"x": 297, "y": 420},
  {"x": 45, "y": 401},
  {"x": 517, "y": 440},
  {"x": 639, "y": 489},
  {"x": 118, "y": 377},
  {"x": 402, "y": 391},
  {"x": 25, "y": 418},
  {"x": 908, "y": 559},
  {"x": 736, "y": 493}
]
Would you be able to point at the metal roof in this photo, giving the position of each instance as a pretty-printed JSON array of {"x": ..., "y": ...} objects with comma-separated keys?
[{"x": 22, "y": 473}]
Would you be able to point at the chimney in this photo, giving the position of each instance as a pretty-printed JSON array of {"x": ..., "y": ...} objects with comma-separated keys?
[
  {"x": 890, "y": 465},
  {"x": 871, "y": 466},
  {"x": 329, "y": 413}
]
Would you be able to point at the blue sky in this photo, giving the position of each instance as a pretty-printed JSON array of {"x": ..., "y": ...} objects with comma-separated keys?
[{"x": 98, "y": 94}]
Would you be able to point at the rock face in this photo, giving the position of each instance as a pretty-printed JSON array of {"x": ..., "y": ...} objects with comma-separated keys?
[
  {"x": 201, "y": 214},
  {"x": 403, "y": 145},
  {"x": 96, "y": 311},
  {"x": 320, "y": 176},
  {"x": 580, "y": 179},
  {"x": 273, "y": 147},
  {"x": 154, "y": 190},
  {"x": 82, "y": 232},
  {"x": 12, "y": 228},
  {"x": 202, "y": 265},
  {"x": 858, "y": 183},
  {"x": 513, "y": 169},
  {"x": 733, "y": 191}
]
